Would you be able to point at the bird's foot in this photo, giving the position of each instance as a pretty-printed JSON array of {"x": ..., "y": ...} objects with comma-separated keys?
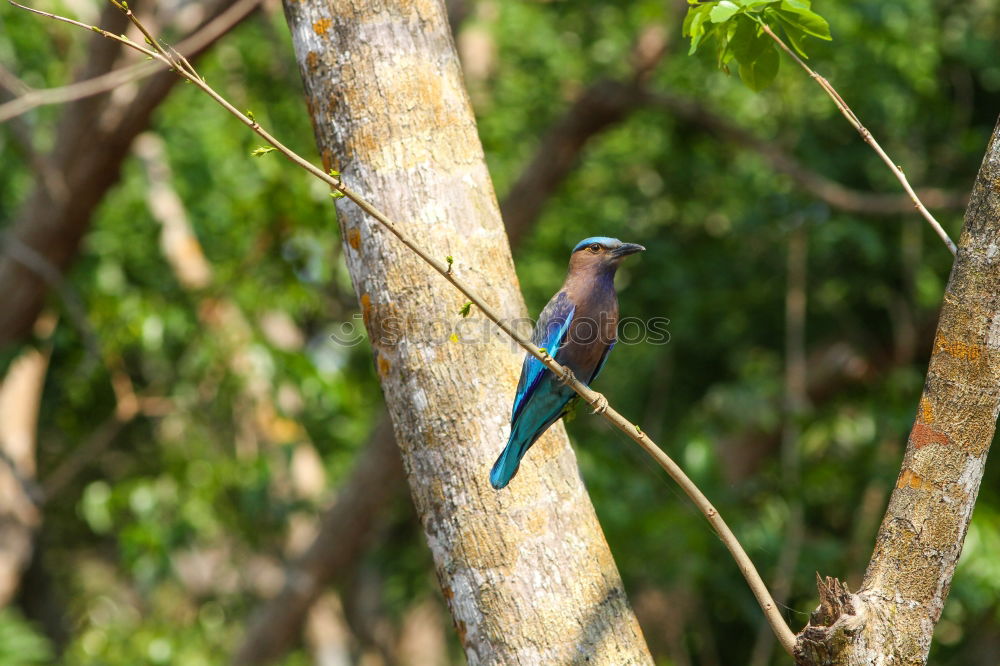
[
  {"x": 566, "y": 376},
  {"x": 600, "y": 404}
]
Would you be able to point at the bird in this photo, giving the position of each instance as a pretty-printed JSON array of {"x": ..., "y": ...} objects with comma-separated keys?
[{"x": 578, "y": 328}]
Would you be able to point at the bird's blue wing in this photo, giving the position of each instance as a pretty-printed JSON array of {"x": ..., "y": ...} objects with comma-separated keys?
[
  {"x": 550, "y": 333},
  {"x": 604, "y": 359}
]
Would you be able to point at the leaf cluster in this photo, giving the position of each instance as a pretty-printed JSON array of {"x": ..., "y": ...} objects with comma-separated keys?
[{"x": 737, "y": 30}]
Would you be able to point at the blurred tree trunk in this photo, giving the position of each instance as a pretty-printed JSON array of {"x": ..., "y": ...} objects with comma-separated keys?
[
  {"x": 527, "y": 573},
  {"x": 891, "y": 619},
  {"x": 20, "y": 498}
]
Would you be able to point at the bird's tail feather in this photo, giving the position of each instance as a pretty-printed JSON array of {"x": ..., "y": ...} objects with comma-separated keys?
[
  {"x": 521, "y": 439},
  {"x": 506, "y": 465}
]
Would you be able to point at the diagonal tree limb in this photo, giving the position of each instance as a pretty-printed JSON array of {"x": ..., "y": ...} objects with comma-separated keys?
[
  {"x": 599, "y": 107},
  {"x": 343, "y": 532}
]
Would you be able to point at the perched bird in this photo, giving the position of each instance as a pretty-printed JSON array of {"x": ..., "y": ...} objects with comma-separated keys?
[{"x": 578, "y": 328}]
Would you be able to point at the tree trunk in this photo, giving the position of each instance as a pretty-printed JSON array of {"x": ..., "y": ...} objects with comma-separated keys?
[
  {"x": 527, "y": 573},
  {"x": 891, "y": 619},
  {"x": 20, "y": 498}
]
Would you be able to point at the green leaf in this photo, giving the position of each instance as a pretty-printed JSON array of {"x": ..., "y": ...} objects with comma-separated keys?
[
  {"x": 262, "y": 150},
  {"x": 723, "y": 11},
  {"x": 747, "y": 42},
  {"x": 725, "y": 53},
  {"x": 805, "y": 20},
  {"x": 759, "y": 73},
  {"x": 796, "y": 38},
  {"x": 466, "y": 309},
  {"x": 694, "y": 25},
  {"x": 337, "y": 194}
]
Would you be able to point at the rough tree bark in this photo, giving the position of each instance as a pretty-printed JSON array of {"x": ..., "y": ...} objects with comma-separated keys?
[
  {"x": 527, "y": 573},
  {"x": 891, "y": 619}
]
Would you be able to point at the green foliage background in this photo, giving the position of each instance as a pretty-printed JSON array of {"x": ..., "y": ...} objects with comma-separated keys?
[{"x": 923, "y": 75}]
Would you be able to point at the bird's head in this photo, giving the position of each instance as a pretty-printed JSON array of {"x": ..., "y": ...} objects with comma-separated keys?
[{"x": 601, "y": 253}]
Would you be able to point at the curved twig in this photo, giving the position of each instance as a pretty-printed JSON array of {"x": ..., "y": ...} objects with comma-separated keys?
[
  {"x": 869, "y": 139},
  {"x": 32, "y": 98}
]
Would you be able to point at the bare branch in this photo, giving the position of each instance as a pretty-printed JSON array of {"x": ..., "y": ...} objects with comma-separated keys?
[
  {"x": 601, "y": 106},
  {"x": 867, "y": 136},
  {"x": 608, "y": 103},
  {"x": 204, "y": 37},
  {"x": 93, "y": 138}
]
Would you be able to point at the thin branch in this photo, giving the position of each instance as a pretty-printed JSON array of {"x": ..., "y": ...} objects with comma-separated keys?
[
  {"x": 867, "y": 136},
  {"x": 13, "y": 83},
  {"x": 210, "y": 32},
  {"x": 593, "y": 398},
  {"x": 93, "y": 137},
  {"x": 607, "y": 103},
  {"x": 824, "y": 188}
]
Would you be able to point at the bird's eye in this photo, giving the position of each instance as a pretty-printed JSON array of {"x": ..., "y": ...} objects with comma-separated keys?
[{"x": 595, "y": 247}]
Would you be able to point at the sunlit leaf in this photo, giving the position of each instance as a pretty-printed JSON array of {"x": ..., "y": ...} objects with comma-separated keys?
[
  {"x": 694, "y": 25},
  {"x": 795, "y": 37},
  {"x": 723, "y": 11},
  {"x": 806, "y": 20}
]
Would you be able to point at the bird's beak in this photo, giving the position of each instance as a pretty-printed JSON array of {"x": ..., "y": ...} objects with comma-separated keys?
[{"x": 626, "y": 249}]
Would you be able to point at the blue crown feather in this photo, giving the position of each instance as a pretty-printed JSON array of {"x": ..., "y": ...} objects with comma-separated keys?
[{"x": 608, "y": 243}]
